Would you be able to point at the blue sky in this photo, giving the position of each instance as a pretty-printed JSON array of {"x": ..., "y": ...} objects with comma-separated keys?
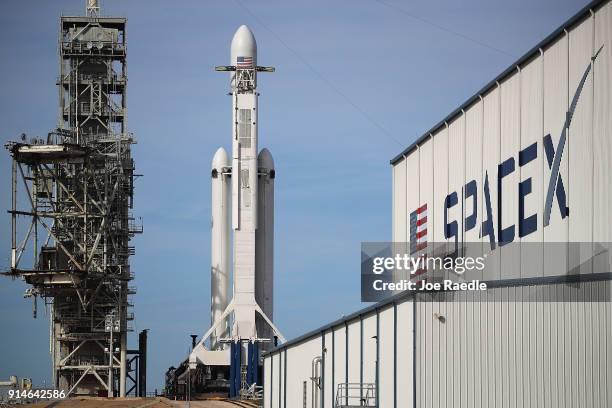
[{"x": 356, "y": 82}]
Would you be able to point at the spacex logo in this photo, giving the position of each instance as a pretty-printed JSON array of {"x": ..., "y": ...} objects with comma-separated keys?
[{"x": 497, "y": 232}]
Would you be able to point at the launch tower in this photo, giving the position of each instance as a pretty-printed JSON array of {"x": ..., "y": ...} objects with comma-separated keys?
[{"x": 77, "y": 188}]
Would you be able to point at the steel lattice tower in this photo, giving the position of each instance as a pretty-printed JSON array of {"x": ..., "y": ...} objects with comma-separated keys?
[{"x": 77, "y": 186}]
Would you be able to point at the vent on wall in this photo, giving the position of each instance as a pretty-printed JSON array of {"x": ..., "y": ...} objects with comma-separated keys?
[{"x": 244, "y": 127}]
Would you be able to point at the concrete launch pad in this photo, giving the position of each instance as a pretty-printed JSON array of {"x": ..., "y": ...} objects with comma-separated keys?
[{"x": 158, "y": 402}]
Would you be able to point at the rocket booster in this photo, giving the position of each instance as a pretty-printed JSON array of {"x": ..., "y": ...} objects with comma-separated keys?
[
  {"x": 242, "y": 207},
  {"x": 251, "y": 176}
]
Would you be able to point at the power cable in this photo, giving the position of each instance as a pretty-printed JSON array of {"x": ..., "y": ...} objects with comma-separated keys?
[
  {"x": 441, "y": 28},
  {"x": 320, "y": 75}
]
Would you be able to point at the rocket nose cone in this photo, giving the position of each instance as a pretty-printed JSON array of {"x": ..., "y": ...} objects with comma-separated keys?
[
  {"x": 243, "y": 45},
  {"x": 265, "y": 160},
  {"x": 220, "y": 159}
]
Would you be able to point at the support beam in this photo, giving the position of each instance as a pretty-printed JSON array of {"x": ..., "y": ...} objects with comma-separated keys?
[
  {"x": 14, "y": 217},
  {"x": 65, "y": 359},
  {"x": 87, "y": 370},
  {"x": 122, "y": 365}
]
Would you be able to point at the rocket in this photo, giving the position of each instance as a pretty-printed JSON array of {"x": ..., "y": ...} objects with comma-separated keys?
[{"x": 242, "y": 207}]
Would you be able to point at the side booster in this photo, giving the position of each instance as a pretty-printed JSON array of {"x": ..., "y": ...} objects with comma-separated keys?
[
  {"x": 242, "y": 201},
  {"x": 220, "y": 242}
]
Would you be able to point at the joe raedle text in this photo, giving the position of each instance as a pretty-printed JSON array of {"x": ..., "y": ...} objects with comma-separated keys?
[{"x": 446, "y": 285}]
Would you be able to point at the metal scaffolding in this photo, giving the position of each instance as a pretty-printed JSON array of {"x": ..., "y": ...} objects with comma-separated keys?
[{"x": 71, "y": 199}]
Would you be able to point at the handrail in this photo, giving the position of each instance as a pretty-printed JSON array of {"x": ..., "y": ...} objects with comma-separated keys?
[{"x": 355, "y": 395}]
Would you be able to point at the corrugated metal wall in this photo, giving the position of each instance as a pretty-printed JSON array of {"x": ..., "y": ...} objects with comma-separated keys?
[
  {"x": 525, "y": 346},
  {"x": 391, "y": 326},
  {"x": 491, "y": 353}
]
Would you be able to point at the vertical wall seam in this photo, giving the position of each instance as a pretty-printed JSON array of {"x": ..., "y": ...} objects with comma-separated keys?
[
  {"x": 568, "y": 188},
  {"x": 271, "y": 380},
  {"x": 361, "y": 356},
  {"x": 480, "y": 209},
  {"x": 323, "y": 353},
  {"x": 433, "y": 186},
  {"x": 346, "y": 359},
  {"x": 405, "y": 202},
  {"x": 520, "y": 169},
  {"x": 414, "y": 353},
  {"x": 463, "y": 142},
  {"x": 377, "y": 356},
  {"x": 333, "y": 359},
  {"x": 394, "y": 355},
  {"x": 593, "y": 184},
  {"x": 566, "y": 108},
  {"x": 393, "y": 194},
  {"x": 520, "y": 263},
  {"x": 543, "y": 167},
  {"x": 499, "y": 157},
  {"x": 593, "y": 139}
]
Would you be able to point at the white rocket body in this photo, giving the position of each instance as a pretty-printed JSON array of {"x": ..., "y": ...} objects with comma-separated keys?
[
  {"x": 264, "y": 242},
  {"x": 250, "y": 177},
  {"x": 244, "y": 184},
  {"x": 220, "y": 242}
]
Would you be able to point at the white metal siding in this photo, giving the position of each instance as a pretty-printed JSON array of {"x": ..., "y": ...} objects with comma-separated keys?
[
  {"x": 328, "y": 383},
  {"x": 354, "y": 352},
  {"x": 426, "y": 184},
  {"x": 602, "y": 140},
  {"x": 520, "y": 351},
  {"x": 473, "y": 170},
  {"x": 555, "y": 106},
  {"x": 440, "y": 185},
  {"x": 580, "y": 151},
  {"x": 339, "y": 358},
  {"x": 282, "y": 379},
  {"x": 543, "y": 355},
  {"x": 405, "y": 353},
  {"x": 532, "y": 128},
  {"x": 275, "y": 377},
  {"x": 399, "y": 209},
  {"x": 369, "y": 349},
  {"x": 399, "y": 202},
  {"x": 456, "y": 178},
  {"x": 490, "y": 160},
  {"x": 412, "y": 195},
  {"x": 300, "y": 360},
  {"x": 529, "y": 104},
  {"x": 602, "y": 146},
  {"x": 267, "y": 382},
  {"x": 509, "y": 145},
  {"x": 387, "y": 357}
]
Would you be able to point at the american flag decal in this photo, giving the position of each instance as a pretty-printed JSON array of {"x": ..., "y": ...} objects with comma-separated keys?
[
  {"x": 418, "y": 229},
  {"x": 244, "y": 62},
  {"x": 418, "y": 234}
]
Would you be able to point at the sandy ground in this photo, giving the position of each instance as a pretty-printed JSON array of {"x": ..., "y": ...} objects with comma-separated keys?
[
  {"x": 128, "y": 403},
  {"x": 202, "y": 404}
]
